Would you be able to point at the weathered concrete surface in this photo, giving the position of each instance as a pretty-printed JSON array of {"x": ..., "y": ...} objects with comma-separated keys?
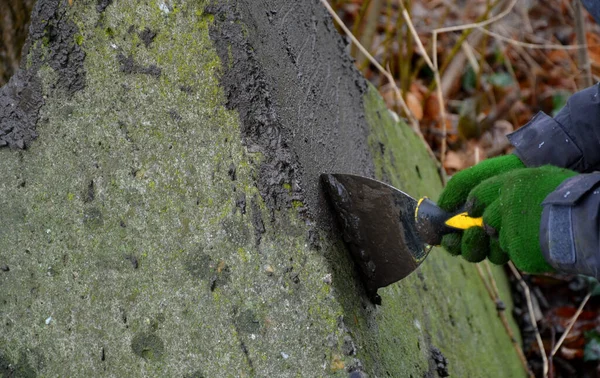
[{"x": 167, "y": 219}]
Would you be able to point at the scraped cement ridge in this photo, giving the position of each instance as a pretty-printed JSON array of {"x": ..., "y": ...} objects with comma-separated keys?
[{"x": 300, "y": 104}]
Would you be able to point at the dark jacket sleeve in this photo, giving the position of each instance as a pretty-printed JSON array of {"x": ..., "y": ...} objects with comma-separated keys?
[
  {"x": 569, "y": 140},
  {"x": 570, "y": 229},
  {"x": 570, "y": 226}
]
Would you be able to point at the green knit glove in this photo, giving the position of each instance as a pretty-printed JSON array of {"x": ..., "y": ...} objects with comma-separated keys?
[
  {"x": 454, "y": 197},
  {"x": 510, "y": 204}
]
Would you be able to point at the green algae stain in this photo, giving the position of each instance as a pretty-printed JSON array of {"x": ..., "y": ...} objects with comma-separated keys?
[
  {"x": 93, "y": 218},
  {"x": 109, "y": 32},
  {"x": 148, "y": 346},
  {"x": 21, "y": 369},
  {"x": 243, "y": 255},
  {"x": 196, "y": 374},
  {"x": 247, "y": 322},
  {"x": 185, "y": 226},
  {"x": 398, "y": 153}
]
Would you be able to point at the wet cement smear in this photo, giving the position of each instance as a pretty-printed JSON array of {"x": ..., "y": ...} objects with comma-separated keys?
[
  {"x": 305, "y": 118},
  {"x": 102, "y": 4},
  {"x": 20, "y": 103},
  {"x": 129, "y": 66}
]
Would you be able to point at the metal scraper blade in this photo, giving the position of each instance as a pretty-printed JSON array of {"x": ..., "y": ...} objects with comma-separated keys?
[{"x": 378, "y": 225}]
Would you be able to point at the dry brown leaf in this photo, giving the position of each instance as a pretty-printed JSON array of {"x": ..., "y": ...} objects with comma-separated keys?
[
  {"x": 593, "y": 42},
  {"x": 431, "y": 109},
  {"x": 454, "y": 161},
  {"x": 471, "y": 154},
  {"x": 496, "y": 136},
  {"x": 419, "y": 90},
  {"x": 414, "y": 105},
  {"x": 522, "y": 114},
  {"x": 558, "y": 56}
]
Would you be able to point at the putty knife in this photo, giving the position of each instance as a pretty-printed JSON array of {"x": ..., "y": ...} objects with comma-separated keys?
[{"x": 388, "y": 232}]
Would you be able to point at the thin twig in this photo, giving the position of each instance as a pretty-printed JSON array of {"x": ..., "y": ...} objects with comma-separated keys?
[
  {"x": 438, "y": 83},
  {"x": 582, "y": 54},
  {"x": 478, "y": 24},
  {"x": 531, "y": 316},
  {"x": 494, "y": 294},
  {"x": 435, "y": 68},
  {"x": 534, "y": 67},
  {"x": 406, "y": 54},
  {"x": 455, "y": 68},
  {"x": 411, "y": 27},
  {"x": 533, "y": 46},
  {"x": 493, "y": 281},
  {"x": 369, "y": 26},
  {"x": 463, "y": 36},
  {"x": 571, "y": 324},
  {"x": 524, "y": 13},
  {"x": 470, "y": 55},
  {"x": 485, "y": 282},
  {"x": 440, "y": 97},
  {"x": 490, "y": 20}
]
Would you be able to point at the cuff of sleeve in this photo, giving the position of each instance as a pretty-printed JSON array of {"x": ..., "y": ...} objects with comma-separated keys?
[
  {"x": 542, "y": 141},
  {"x": 569, "y": 228},
  {"x": 556, "y": 237}
]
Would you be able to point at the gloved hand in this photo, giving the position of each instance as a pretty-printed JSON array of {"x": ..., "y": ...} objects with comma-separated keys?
[
  {"x": 510, "y": 204},
  {"x": 454, "y": 197}
]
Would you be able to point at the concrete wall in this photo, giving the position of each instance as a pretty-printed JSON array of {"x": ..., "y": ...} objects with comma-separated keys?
[{"x": 160, "y": 209}]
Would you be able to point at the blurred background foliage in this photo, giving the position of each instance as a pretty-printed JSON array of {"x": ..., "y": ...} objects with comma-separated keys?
[{"x": 493, "y": 80}]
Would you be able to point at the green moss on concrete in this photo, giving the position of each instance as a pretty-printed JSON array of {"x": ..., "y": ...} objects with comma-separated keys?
[
  {"x": 148, "y": 346},
  {"x": 20, "y": 367},
  {"x": 78, "y": 39}
]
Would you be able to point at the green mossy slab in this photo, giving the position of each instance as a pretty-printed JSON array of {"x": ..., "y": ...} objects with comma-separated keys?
[{"x": 138, "y": 243}]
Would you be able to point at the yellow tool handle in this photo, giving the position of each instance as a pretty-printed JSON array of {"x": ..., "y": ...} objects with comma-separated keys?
[
  {"x": 462, "y": 221},
  {"x": 433, "y": 223}
]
